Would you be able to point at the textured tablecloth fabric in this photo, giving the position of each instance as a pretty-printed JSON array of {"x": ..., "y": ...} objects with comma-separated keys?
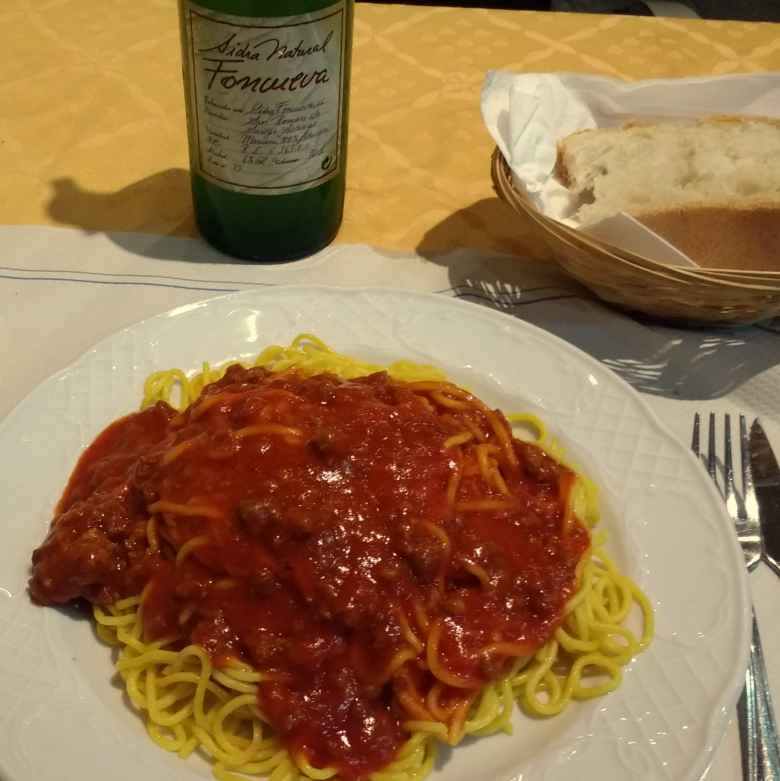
[{"x": 93, "y": 135}]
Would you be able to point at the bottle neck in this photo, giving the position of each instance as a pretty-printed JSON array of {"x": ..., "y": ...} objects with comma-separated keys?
[{"x": 255, "y": 9}]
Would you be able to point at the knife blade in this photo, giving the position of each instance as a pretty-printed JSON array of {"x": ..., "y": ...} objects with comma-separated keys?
[{"x": 766, "y": 479}]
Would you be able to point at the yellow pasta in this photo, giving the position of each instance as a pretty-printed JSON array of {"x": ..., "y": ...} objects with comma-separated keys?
[{"x": 191, "y": 705}]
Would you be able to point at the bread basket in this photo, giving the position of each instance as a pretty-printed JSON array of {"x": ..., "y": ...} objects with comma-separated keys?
[{"x": 626, "y": 280}]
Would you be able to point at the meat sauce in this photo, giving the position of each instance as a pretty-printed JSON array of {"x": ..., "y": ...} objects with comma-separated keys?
[{"x": 314, "y": 512}]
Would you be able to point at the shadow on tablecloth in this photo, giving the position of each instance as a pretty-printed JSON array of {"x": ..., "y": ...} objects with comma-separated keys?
[
  {"x": 678, "y": 363},
  {"x": 136, "y": 215},
  {"x": 507, "y": 270}
]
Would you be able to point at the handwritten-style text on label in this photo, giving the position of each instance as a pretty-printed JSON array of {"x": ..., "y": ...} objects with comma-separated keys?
[{"x": 265, "y": 98}]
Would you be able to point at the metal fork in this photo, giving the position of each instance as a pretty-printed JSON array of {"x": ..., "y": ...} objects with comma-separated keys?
[{"x": 757, "y": 729}]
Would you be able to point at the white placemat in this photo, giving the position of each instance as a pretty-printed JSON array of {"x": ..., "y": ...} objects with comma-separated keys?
[{"x": 63, "y": 290}]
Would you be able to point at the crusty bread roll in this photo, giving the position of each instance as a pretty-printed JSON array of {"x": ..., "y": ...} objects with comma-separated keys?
[
  {"x": 724, "y": 162},
  {"x": 737, "y": 239}
]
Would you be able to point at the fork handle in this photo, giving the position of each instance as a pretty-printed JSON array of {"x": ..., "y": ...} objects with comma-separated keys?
[{"x": 757, "y": 726}]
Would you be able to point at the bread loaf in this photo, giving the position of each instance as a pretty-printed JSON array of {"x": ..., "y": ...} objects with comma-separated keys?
[{"x": 719, "y": 162}]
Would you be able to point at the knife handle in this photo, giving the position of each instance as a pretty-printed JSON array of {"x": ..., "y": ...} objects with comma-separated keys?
[
  {"x": 766, "y": 751},
  {"x": 747, "y": 718}
]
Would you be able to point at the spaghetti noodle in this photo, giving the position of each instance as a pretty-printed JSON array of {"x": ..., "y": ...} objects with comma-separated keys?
[{"x": 317, "y": 568}]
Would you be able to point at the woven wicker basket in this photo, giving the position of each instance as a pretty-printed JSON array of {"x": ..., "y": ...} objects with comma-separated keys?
[{"x": 630, "y": 281}]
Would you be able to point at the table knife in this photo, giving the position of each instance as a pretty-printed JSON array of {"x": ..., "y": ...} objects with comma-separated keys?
[
  {"x": 766, "y": 479},
  {"x": 766, "y": 484}
]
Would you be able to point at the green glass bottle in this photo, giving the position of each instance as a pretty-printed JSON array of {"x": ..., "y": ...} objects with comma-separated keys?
[{"x": 266, "y": 87}]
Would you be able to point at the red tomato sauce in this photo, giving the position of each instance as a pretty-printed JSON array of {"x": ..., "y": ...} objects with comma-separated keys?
[{"x": 318, "y": 507}]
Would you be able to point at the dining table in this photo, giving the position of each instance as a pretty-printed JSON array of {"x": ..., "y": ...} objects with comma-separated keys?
[{"x": 97, "y": 228}]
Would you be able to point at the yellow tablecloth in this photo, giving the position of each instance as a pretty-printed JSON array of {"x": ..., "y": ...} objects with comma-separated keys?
[
  {"x": 93, "y": 131},
  {"x": 92, "y": 135}
]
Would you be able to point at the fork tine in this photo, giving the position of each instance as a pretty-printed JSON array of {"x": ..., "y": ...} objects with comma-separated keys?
[
  {"x": 750, "y": 505},
  {"x": 748, "y": 490},
  {"x": 711, "y": 458},
  {"x": 744, "y": 451},
  {"x": 728, "y": 461},
  {"x": 696, "y": 434}
]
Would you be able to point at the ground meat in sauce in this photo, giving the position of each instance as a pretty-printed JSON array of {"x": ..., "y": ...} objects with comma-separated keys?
[{"x": 316, "y": 543}]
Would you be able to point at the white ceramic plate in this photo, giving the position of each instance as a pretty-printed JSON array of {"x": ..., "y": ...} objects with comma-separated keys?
[{"x": 60, "y": 715}]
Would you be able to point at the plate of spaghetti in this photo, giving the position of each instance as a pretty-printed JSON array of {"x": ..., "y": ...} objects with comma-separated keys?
[{"x": 312, "y": 533}]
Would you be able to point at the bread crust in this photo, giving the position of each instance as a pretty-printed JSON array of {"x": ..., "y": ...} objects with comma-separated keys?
[
  {"x": 730, "y": 236},
  {"x": 561, "y": 170}
]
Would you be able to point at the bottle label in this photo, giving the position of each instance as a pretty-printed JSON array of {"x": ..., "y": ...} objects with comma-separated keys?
[{"x": 266, "y": 97}]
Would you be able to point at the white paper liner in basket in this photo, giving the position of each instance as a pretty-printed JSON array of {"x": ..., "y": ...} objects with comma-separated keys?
[{"x": 527, "y": 114}]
